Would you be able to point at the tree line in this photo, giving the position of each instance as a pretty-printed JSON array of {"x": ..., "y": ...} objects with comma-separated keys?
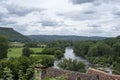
[{"x": 104, "y": 52}]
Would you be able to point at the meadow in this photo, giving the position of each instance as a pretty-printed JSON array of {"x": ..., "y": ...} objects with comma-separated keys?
[{"x": 17, "y": 52}]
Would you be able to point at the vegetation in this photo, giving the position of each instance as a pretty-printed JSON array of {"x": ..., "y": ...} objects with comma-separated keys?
[
  {"x": 100, "y": 49},
  {"x": 22, "y": 68},
  {"x": 3, "y": 47},
  {"x": 58, "y": 54},
  {"x": 27, "y": 52},
  {"x": 17, "y": 52},
  {"x": 102, "y": 53},
  {"x": 12, "y": 35},
  {"x": 48, "y": 38},
  {"x": 72, "y": 65}
]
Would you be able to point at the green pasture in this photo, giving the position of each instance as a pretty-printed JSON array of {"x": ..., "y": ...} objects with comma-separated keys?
[
  {"x": 36, "y": 49},
  {"x": 17, "y": 52}
]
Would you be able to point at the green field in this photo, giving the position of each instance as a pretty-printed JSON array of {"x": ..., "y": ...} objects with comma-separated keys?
[
  {"x": 17, "y": 52},
  {"x": 36, "y": 49}
]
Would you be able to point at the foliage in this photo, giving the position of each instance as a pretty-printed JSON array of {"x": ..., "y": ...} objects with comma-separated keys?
[
  {"x": 17, "y": 52},
  {"x": 116, "y": 48},
  {"x": 47, "y": 61},
  {"x": 47, "y": 38},
  {"x": 3, "y": 47},
  {"x": 103, "y": 53},
  {"x": 26, "y": 52},
  {"x": 58, "y": 54},
  {"x": 100, "y": 49},
  {"x": 13, "y": 35},
  {"x": 72, "y": 65},
  {"x": 22, "y": 68},
  {"x": 31, "y": 44},
  {"x": 81, "y": 48},
  {"x": 7, "y": 74}
]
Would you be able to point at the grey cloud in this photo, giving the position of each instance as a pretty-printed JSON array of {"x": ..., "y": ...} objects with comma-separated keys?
[
  {"x": 81, "y": 1},
  {"x": 20, "y": 11},
  {"x": 89, "y": 12},
  {"x": 95, "y": 30},
  {"x": 4, "y": 22},
  {"x": 94, "y": 25},
  {"x": 49, "y": 23},
  {"x": 117, "y": 13},
  {"x": 77, "y": 15}
]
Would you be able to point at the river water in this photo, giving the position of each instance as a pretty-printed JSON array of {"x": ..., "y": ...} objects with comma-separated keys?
[{"x": 69, "y": 53}]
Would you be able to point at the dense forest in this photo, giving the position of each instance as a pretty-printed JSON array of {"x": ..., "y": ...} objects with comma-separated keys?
[{"x": 101, "y": 53}]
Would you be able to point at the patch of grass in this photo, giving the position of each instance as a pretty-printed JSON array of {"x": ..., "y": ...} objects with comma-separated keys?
[
  {"x": 17, "y": 52},
  {"x": 14, "y": 52},
  {"x": 42, "y": 55},
  {"x": 36, "y": 49}
]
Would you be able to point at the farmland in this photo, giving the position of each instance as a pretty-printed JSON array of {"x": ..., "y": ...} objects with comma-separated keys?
[{"x": 17, "y": 52}]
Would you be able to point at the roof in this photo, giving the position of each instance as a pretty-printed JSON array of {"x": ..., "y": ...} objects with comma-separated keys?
[
  {"x": 52, "y": 72},
  {"x": 103, "y": 75}
]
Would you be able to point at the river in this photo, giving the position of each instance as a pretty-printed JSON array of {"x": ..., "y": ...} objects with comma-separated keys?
[{"x": 69, "y": 53}]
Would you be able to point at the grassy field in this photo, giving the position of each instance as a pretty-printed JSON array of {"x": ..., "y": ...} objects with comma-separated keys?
[
  {"x": 17, "y": 52},
  {"x": 36, "y": 49}
]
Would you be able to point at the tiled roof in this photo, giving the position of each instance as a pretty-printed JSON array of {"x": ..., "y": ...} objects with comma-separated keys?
[
  {"x": 52, "y": 72},
  {"x": 102, "y": 75}
]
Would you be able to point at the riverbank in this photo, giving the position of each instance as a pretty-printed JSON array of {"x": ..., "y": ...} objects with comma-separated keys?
[{"x": 69, "y": 53}]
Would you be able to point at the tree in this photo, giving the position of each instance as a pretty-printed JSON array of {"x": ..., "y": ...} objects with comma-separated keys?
[
  {"x": 3, "y": 47},
  {"x": 81, "y": 48},
  {"x": 8, "y": 74},
  {"x": 116, "y": 48},
  {"x": 26, "y": 52},
  {"x": 47, "y": 61},
  {"x": 100, "y": 49},
  {"x": 58, "y": 54},
  {"x": 72, "y": 65}
]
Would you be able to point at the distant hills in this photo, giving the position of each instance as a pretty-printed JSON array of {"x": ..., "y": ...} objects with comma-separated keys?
[
  {"x": 13, "y": 35},
  {"x": 66, "y": 38}
]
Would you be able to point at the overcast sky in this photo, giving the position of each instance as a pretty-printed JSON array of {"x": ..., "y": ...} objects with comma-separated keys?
[{"x": 62, "y": 17}]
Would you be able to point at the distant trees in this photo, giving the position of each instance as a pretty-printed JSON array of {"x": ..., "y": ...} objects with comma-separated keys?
[
  {"x": 3, "y": 47},
  {"x": 72, "y": 65},
  {"x": 58, "y": 54},
  {"x": 26, "y": 52},
  {"x": 103, "y": 53},
  {"x": 31, "y": 44},
  {"x": 100, "y": 49},
  {"x": 116, "y": 48},
  {"x": 81, "y": 48}
]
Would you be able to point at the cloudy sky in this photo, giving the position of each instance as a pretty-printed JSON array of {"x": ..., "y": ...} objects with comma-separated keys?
[{"x": 62, "y": 17}]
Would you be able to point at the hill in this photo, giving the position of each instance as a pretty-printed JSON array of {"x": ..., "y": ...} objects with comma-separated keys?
[
  {"x": 13, "y": 35},
  {"x": 66, "y": 38}
]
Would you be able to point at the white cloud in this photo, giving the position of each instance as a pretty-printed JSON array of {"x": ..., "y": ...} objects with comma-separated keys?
[{"x": 62, "y": 17}]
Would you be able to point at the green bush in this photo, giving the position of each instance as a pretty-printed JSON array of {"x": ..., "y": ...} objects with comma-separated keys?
[{"x": 72, "y": 65}]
